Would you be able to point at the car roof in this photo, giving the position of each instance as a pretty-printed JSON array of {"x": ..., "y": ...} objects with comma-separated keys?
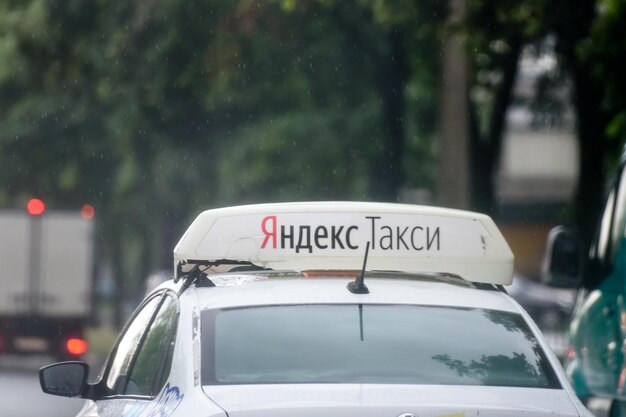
[{"x": 246, "y": 290}]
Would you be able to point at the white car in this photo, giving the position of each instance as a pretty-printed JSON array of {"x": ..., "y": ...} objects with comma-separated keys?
[{"x": 329, "y": 309}]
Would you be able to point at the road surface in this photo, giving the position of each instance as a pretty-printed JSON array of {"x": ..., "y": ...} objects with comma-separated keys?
[{"x": 20, "y": 393}]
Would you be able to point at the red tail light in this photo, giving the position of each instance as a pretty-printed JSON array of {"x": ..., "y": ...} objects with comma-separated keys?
[
  {"x": 35, "y": 207},
  {"x": 87, "y": 212},
  {"x": 76, "y": 346}
]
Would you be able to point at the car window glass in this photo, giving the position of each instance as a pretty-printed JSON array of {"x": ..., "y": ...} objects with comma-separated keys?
[
  {"x": 116, "y": 377},
  {"x": 371, "y": 344},
  {"x": 601, "y": 244},
  {"x": 611, "y": 228},
  {"x": 152, "y": 365},
  {"x": 617, "y": 229}
]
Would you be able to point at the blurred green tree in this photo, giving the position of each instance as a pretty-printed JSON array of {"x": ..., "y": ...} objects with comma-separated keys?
[
  {"x": 354, "y": 61},
  {"x": 594, "y": 49},
  {"x": 153, "y": 111},
  {"x": 588, "y": 45},
  {"x": 496, "y": 32}
]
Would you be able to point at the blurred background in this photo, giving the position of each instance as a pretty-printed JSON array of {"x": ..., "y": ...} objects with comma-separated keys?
[{"x": 145, "y": 113}]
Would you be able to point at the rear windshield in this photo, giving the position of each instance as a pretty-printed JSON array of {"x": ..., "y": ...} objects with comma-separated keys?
[{"x": 371, "y": 344}]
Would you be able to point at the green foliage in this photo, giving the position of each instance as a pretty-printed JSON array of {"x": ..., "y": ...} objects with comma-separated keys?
[
  {"x": 331, "y": 166},
  {"x": 605, "y": 49},
  {"x": 47, "y": 122},
  {"x": 494, "y": 32},
  {"x": 153, "y": 111}
]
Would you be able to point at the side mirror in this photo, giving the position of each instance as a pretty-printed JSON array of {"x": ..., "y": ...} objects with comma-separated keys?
[
  {"x": 67, "y": 379},
  {"x": 563, "y": 261}
]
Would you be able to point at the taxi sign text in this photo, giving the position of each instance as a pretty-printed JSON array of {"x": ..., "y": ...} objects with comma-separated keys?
[
  {"x": 319, "y": 237},
  {"x": 343, "y": 235}
]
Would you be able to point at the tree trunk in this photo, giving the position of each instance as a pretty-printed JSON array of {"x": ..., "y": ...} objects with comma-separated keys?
[
  {"x": 386, "y": 176},
  {"x": 572, "y": 23},
  {"x": 454, "y": 148},
  {"x": 591, "y": 126},
  {"x": 486, "y": 149}
]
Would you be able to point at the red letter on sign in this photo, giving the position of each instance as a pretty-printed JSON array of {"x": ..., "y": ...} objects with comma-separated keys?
[{"x": 269, "y": 233}]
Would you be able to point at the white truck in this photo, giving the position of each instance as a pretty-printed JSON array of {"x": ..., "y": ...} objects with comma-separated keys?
[{"x": 46, "y": 270}]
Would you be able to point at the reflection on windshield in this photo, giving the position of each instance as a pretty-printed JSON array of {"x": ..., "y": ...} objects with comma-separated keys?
[
  {"x": 373, "y": 344},
  {"x": 489, "y": 369}
]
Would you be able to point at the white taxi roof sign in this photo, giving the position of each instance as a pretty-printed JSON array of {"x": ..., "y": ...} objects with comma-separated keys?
[{"x": 333, "y": 235}]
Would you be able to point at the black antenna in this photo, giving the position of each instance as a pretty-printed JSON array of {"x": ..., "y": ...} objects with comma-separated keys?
[{"x": 358, "y": 285}]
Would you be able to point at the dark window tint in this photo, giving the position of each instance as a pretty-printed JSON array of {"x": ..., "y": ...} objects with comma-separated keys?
[{"x": 371, "y": 344}]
